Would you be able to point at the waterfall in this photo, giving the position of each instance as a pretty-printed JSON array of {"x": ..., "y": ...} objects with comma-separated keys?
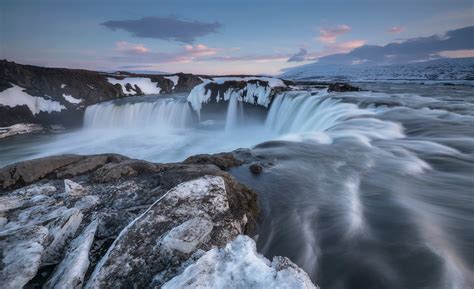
[
  {"x": 232, "y": 118},
  {"x": 159, "y": 113}
]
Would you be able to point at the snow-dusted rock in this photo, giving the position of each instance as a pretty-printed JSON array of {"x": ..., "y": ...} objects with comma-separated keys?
[
  {"x": 238, "y": 265},
  {"x": 20, "y": 255},
  {"x": 70, "y": 272},
  {"x": 150, "y": 224},
  {"x": 185, "y": 217},
  {"x": 253, "y": 90},
  {"x": 136, "y": 85},
  {"x": 72, "y": 188}
]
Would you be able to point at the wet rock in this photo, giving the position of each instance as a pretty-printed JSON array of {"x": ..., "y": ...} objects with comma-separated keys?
[
  {"x": 256, "y": 169},
  {"x": 223, "y": 160}
]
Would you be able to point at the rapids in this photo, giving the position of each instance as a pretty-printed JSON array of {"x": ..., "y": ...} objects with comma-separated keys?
[{"x": 362, "y": 189}]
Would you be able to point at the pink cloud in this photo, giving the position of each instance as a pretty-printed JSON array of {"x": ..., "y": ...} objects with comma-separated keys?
[
  {"x": 328, "y": 36},
  {"x": 200, "y": 50},
  {"x": 124, "y": 46},
  {"x": 457, "y": 53},
  {"x": 396, "y": 29}
]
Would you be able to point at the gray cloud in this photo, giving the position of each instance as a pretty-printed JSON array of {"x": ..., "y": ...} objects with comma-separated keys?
[
  {"x": 299, "y": 56},
  {"x": 169, "y": 28},
  {"x": 414, "y": 49}
]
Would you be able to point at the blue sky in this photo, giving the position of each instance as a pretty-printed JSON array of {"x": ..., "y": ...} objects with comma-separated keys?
[{"x": 220, "y": 37}]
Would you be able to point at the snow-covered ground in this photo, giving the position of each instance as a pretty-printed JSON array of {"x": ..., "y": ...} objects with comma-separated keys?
[
  {"x": 145, "y": 84},
  {"x": 16, "y": 96},
  {"x": 444, "y": 70}
]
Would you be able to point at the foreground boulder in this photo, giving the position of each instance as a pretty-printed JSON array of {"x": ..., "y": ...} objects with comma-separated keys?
[{"x": 107, "y": 221}]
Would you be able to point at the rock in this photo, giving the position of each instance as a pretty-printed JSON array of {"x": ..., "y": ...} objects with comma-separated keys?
[
  {"x": 73, "y": 189},
  {"x": 342, "y": 87},
  {"x": 70, "y": 272},
  {"x": 185, "y": 217},
  {"x": 20, "y": 253},
  {"x": 152, "y": 222},
  {"x": 238, "y": 265},
  {"x": 256, "y": 169},
  {"x": 223, "y": 160}
]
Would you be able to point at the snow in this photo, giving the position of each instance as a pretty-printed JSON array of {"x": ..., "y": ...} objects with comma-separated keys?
[
  {"x": 63, "y": 86},
  {"x": 238, "y": 265},
  {"x": 198, "y": 94},
  {"x": 145, "y": 84},
  {"x": 19, "y": 128},
  {"x": 16, "y": 96},
  {"x": 71, "y": 99},
  {"x": 442, "y": 70},
  {"x": 174, "y": 79}
]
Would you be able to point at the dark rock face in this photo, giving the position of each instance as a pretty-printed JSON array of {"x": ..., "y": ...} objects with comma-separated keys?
[
  {"x": 342, "y": 87},
  {"x": 110, "y": 221},
  {"x": 89, "y": 86},
  {"x": 223, "y": 160}
]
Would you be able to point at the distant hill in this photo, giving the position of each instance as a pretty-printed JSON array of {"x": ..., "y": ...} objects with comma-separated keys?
[{"x": 443, "y": 70}]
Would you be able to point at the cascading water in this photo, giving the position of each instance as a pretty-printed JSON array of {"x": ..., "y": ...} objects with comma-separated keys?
[
  {"x": 161, "y": 112},
  {"x": 362, "y": 190}
]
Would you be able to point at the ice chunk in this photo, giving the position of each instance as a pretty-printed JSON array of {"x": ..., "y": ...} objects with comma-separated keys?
[{"x": 238, "y": 265}]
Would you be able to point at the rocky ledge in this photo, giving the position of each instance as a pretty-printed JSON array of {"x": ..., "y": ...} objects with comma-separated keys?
[{"x": 107, "y": 221}]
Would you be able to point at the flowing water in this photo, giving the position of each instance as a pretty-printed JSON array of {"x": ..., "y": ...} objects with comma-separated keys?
[{"x": 362, "y": 189}]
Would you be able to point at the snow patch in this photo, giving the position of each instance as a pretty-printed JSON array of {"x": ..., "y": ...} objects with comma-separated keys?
[
  {"x": 145, "y": 84},
  {"x": 63, "y": 86},
  {"x": 238, "y": 265},
  {"x": 71, "y": 99},
  {"x": 16, "y": 96}
]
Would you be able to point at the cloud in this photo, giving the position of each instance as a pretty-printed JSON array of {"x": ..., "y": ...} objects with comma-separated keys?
[
  {"x": 328, "y": 36},
  {"x": 124, "y": 46},
  {"x": 169, "y": 28},
  {"x": 396, "y": 29},
  {"x": 201, "y": 50},
  {"x": 410, "y": 50},
  {"x": 299, "y": 56}
]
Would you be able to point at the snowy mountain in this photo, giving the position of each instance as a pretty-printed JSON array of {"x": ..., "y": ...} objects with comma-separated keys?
[{"x": 442, "y": 70}]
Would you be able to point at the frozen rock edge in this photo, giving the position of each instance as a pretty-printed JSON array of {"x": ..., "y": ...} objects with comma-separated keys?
[
  {"x": 107, "y": 221},
  {"x": 238, "y": 265}
]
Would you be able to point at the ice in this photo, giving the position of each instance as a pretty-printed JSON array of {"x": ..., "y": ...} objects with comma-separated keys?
[
  {"x": 238, "y": 265},
  {"x": 16, "y": 96},
  {"x": 20, "y": 128}
]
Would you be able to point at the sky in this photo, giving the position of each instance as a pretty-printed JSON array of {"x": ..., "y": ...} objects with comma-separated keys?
[{"x": 217, "y": 37}]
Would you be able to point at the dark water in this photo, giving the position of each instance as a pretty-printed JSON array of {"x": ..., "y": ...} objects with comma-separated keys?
[{"x": 363, "y": 190}]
